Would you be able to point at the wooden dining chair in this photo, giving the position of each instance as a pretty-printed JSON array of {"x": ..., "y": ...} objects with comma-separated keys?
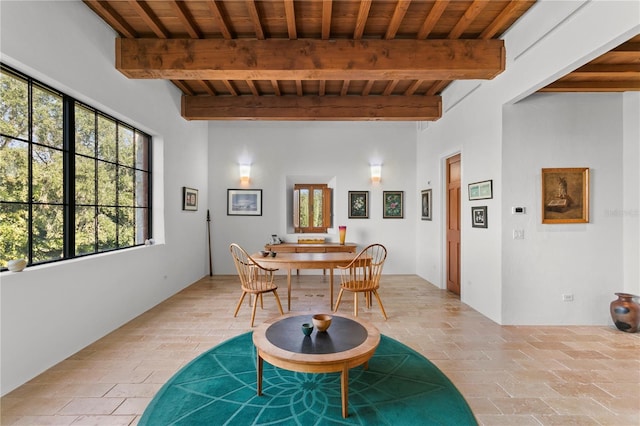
[
  {"x": 362, "y": 275},
  {"x": 255, "y": 280}
]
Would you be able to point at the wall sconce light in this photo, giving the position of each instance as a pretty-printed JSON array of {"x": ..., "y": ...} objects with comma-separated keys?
[
  {"x": 245, "y": 173},
  {"x": 376, "y": 173}
]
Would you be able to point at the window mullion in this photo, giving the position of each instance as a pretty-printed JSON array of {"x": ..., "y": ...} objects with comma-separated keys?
[{"x": 69, "y": 173}]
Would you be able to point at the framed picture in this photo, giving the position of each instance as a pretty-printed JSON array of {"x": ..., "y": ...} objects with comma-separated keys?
[
  {"x": 565, "y": 195},
  {"x": 392, "y": 207},
  {"x": 358, "y": 204},
  {"x": 481, "y": 190},
  {"x": 244, "y": 202},
  {"x": 479, "y": 217},
  {"x": 426, "y": 204},
  {"x": 189, "y": 198}
]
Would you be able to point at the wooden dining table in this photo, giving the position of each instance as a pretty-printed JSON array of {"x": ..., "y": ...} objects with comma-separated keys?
[{"x": 291, "y": 261}]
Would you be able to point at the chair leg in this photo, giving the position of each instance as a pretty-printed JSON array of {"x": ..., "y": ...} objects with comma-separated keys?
[
  {"x": 338, "y": 300},
  {"x": 253, "y": 311},
  {"x": 244, "y": 293},
  {"x": 261, "y": 302},
  {"x": 375, "y": 292},
  {"x": 275, "y": 293},
  {"x": 355, "y": 303}
]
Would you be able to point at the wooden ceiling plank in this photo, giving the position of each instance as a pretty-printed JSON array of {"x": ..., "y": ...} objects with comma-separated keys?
[
  {"x": 390, "y": 86},
  {"x": 225, "y": 30},
  {"x": 327, "y": 6},
  {"x": 290, "y": 13},
  {"x": 182, "y": 11},
  {"x": 230, "y": 87},
  {"x": 432, "y": 18},
  {"x": 281, "y": 59},
  {"x": 593, "y": 86},
  {"x": 276, "y": 87},
  {"x": 149, "y": 18},
  {"x": 508, "y": 13},
  {"x": 309, "y": 108},
  {"x": 368, "y": 87},
  {"x": 253, "y": 88},
  {"x": 111, "y": 17},
  {"x": 361, "y": 21},
  {"x": 208, "y": 87},
  {"x": 255, "y": 18},
  {"x": 184, "y": 87},
  {"x": 398, "y": 15},
  {"x": 606, "y": 70},
  {"x": 345, "y": 88},
  {"x": 469, "y": 15},
  {"x": 413, "y": 87}
]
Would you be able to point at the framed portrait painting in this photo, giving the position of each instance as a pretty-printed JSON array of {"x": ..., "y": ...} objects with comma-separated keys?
[
  {"x": 565, "y": 195},
  {"x": 393, "y": 206},
  {"x": 244, "y": 202},
  {"x": 189, "y": 199},
  {"x": 358, "y": 204},
  {"x": 426, "y": 204},
  {"x": 479, "y": 217}
]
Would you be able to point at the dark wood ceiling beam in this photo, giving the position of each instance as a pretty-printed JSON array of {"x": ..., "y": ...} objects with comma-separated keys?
[
  {"x": 396, "y": 19},
  {"x": 390, "y": 86},
  {"x": 608, "y": 71},
  {"x": 367, "y": 88},
  {"x": 299, "y": 88},
  {"x": 290, "y": 14},
  {"x": 345, "y": 88},
  {"x": 277, "y": 59},
  {"x": 327, "y": 6},
  {"x": 361, "y": 20},
  {"x": 181, "y": 10},
  {"x": 255, "y": 18},
  {"x": 276, "y": 87},
  {"x": 225, "y": 28},
  {"x": 111, "y": 17},
  {"x": 208, "y": 87},
  {"x": 437, "y": 87},
  {"x": 432, "y": 18},
  {"x": 309, "y": 108},
  {"x": 184, "y": 87},
  {"x": 230, "y": 87},
  {"x": 413, "y": 87},
  {"x": 253, "y": 88},
  {"x": 469, "y": 15},
  {"x": 149, "y": 18},
  {"x": 323, "y": 88}
]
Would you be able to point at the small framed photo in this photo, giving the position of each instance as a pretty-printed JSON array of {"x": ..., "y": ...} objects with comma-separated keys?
[
  {"x": 244, "y": 202},
  {"x": 481, "y": 190},
  {"x": 358, "y": 204},
  {"x": 565, "y": 195},
  {"x": 189, "y": 199},
  {"x": 426, "y": 204},
  {"x": 479, "y": 217},
  {"x": 393, "y": 206}
]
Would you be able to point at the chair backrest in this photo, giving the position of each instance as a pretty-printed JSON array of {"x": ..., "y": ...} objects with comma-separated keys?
[
  {"x": 253, "y": 277},
  {"x": 364, "y": 271}
]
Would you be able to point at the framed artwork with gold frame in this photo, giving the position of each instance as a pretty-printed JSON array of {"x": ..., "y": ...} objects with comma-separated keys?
[{"x": 565, "y": 195}]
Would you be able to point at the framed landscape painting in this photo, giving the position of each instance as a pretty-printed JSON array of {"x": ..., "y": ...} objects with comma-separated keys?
[
  {"x": 565, "y": 195},
  {"x": 358, "y": 204},
  {"x": 392, "y": 207},
  {"x": 481, "y": 190},
  {"x": 244, "y": 202}
]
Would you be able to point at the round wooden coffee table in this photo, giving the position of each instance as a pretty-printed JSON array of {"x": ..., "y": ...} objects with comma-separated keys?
[{"x": 348, "y": 343}]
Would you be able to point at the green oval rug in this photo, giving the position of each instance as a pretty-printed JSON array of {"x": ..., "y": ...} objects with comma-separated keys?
[{"x": 400, "y": 387}]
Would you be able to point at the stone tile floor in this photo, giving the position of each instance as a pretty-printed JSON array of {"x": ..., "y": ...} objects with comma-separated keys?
[{"x": 510, "y": 375}]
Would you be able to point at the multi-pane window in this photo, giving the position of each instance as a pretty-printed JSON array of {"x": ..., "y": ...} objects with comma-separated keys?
[
  {"x": 73, "y": 180},
  {"x": 311, "y": 208}
]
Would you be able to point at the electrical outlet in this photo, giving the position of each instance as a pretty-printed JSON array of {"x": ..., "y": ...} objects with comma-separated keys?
[
  {"x": 518, "y": 234},
  {"x": 567, "y": 297}
]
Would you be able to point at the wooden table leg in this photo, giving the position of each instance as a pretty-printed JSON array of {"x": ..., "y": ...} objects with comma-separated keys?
[
  {"x": 344, "y": 383},
  {"x": 259, "y": 371},
  {"x": 331, "y": 289}
]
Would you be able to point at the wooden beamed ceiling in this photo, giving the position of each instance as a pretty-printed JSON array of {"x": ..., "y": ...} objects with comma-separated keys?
[{"x": 310, "y": 59}]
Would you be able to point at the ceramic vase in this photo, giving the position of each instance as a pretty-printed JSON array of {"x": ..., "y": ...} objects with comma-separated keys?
[
  {"x": 625, "y": 312},
  {"x": 343, "y": 233}
]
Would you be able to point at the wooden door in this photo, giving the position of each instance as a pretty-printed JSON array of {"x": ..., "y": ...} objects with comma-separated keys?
[{"x": 453, "y": 224}]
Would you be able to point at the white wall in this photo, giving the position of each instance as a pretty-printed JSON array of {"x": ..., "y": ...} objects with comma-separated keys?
[
  {"x": 585, "y": 260},
  {"x": 50, "y": 312},
  {"x": 553, "y": 38},
  {"x": 340, "y": 150},
  {"x": 630, "y": 211}
]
